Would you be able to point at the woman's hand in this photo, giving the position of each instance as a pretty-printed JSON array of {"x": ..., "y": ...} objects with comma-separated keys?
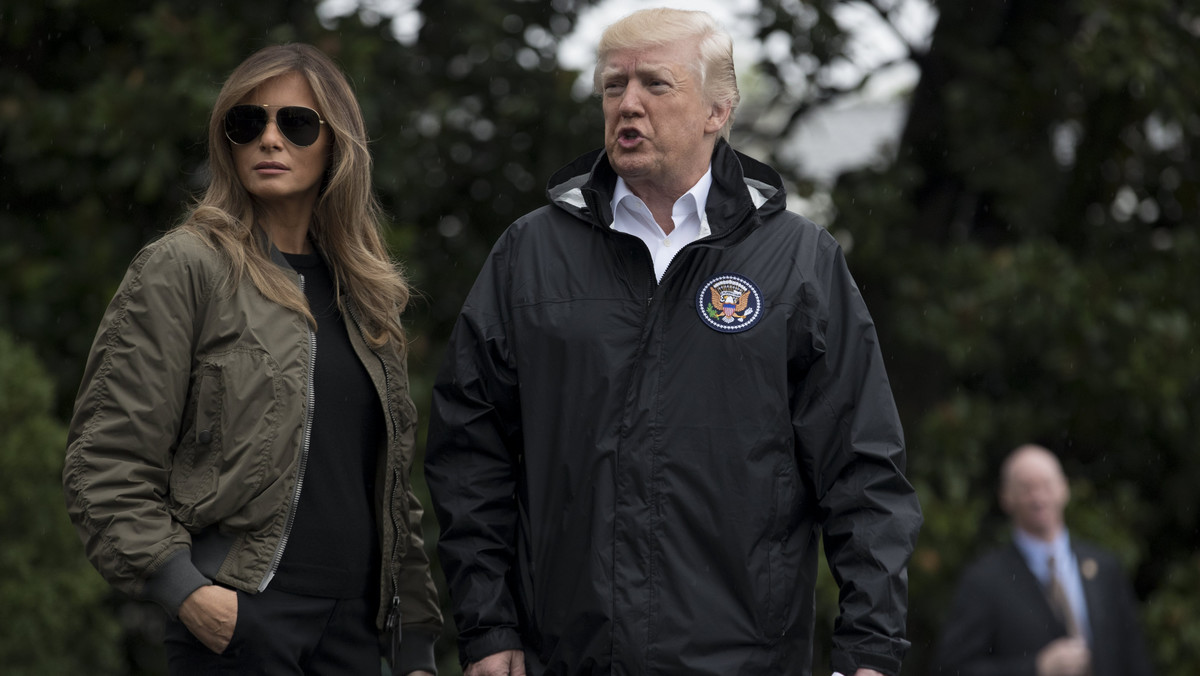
[{"x": 210, "y": 613}]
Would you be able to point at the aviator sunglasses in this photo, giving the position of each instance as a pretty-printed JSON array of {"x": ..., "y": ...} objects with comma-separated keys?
[{"x": 300, "y": 125}]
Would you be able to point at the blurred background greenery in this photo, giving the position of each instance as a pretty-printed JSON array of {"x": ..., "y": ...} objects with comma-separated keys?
[{"x": 1028, "y": 241}]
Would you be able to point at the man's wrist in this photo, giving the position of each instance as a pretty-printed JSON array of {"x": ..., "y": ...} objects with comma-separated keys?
[{"x": 491, "y": 642}]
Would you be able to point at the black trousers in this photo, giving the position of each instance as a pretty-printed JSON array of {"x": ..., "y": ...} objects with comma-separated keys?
[{"x": 284, "y": 634}]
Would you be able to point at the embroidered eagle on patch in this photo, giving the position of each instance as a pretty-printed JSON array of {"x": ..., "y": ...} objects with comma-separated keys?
[
  {"x": 727, "y": 306},
  {"x": 729, "y": 303}
]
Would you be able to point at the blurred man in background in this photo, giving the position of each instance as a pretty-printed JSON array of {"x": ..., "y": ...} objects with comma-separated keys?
[{"x": 1047, "y": 604}]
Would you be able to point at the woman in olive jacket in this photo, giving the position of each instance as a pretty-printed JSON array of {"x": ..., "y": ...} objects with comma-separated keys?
[{"x": 243, "y": 436}]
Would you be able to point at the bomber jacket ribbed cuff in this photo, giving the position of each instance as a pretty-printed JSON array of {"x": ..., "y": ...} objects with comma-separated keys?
[
  {"x": 174, "y": 581},
  {"x": 416, "y": 652}
]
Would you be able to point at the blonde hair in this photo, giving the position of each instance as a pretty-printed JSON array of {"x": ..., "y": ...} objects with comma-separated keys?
[
  {"x": 346, "y": 223},
  {"x": 662, "y": 26}
]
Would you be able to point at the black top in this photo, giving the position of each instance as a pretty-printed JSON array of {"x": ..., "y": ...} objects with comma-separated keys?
[{"x": 333, "y": 548}]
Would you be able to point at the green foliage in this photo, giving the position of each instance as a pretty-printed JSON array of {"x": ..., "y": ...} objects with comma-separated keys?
[
  {"x": 468, "y": 124},
  {"x": 1028, "y": 253},
  {"x": 1030, "y": 256},
  {"x": 55, "y": 619},
  {"x": 1173, "y": 618}
]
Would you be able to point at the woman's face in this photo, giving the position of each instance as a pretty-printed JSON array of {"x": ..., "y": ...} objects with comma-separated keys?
[{"x": 276, "y": 171}]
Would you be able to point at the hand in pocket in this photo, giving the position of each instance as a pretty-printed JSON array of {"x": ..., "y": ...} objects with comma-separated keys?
[{"x": 211, "y": 613}]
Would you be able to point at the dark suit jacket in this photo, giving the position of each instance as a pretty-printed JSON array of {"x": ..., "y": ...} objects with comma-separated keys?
[{"x": 1000, "y": 618}]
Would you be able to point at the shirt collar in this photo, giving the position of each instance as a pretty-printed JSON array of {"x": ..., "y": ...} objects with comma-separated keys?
[
  {"x": 694, "y": 201},
  {"x": 1037, "y": 552}
]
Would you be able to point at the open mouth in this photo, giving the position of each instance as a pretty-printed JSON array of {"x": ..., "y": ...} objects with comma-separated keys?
[{"x": 628, "y": 137}]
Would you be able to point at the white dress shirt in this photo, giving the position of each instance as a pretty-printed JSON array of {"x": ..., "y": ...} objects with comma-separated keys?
[{"x": 632, "y": 216}]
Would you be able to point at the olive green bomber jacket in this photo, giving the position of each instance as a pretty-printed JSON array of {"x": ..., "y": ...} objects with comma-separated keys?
[{"x": 184, "y": 455}]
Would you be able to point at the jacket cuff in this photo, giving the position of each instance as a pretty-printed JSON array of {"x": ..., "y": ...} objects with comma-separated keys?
[
  {"x": 174, "y": 581},
  {"x": 489, "y": 643},
  {"x": 848, "y": 663},
  {"x": 416, "y": 653}
]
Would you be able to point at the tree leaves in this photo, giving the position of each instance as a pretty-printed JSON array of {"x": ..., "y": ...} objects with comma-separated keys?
[
  {"x": 1028, "y": 254},
  {"x": 55, "y": 616}
]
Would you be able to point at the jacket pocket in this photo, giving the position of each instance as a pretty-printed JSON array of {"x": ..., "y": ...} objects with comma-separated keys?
[
  {"x": 781, "y": 567},
  {"x": 194, "y": 468},
  {"x": 230, "y": 447}
]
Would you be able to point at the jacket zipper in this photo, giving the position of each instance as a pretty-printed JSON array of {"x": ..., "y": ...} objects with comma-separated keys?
[
  {"x": 655, "y": 283},
  {"x": 652, "y": 286},
  {"x": 694, "y": 244},
  {"x": 392, "y": 624},
  {"x": 393, "y": 616},
  {"x": 304, "y": 442}
]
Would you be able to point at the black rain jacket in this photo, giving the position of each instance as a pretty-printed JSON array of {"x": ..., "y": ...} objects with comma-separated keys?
[{"x": 624, "y": 489}]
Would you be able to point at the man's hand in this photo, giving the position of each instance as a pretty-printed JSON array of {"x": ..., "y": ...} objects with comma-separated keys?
[
  {"x": 210, "y": 613},
  {"x": 1064, "y": 657},
  {"x": 507, "y": 663}
]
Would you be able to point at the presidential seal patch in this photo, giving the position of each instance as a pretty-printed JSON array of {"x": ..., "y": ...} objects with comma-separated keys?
[{"x": 729, "y": 303}]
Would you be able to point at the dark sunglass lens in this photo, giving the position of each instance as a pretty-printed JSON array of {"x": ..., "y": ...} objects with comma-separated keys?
[
  {"x": 243, "y": 124},
  {"x": 300, "y": 125}
]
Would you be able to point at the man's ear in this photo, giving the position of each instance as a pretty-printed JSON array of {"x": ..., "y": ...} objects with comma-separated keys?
[{"x": 717, "y": 116}]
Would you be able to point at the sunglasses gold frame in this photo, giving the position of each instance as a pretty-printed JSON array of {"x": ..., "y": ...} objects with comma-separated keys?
[{"x": 270, "y": 119}]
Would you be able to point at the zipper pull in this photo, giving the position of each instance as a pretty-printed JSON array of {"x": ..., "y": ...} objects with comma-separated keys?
[
  {"x": 393, "y": 618},
  {"x": 393, "y": 627}
]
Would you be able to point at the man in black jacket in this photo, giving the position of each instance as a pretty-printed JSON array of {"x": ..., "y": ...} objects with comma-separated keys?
[
  {"x": 1047, "y": 604},
  {"x": 661, "y": 390}
]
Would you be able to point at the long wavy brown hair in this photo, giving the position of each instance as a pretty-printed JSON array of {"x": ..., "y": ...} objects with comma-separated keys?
[{"x": 346, "y": 224}]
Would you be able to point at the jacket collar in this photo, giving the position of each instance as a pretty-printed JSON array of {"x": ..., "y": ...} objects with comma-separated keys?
[
  {"x": 277, "y": 256},
  {"x": 742, "y": 186}
]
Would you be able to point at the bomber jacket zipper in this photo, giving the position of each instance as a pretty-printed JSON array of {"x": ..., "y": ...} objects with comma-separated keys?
[
  {"x": 393, "y": 616},
  {"x": 392, "y": 624},
  {"x": 304, "y": 443}
]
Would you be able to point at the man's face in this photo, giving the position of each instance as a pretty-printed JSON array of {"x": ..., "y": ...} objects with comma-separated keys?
[
  {"x": 658, "y": 130},
  {"x": 1035, "y": 493}
]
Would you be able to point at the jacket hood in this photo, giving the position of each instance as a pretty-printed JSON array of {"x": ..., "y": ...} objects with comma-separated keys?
[{"x": 741, "y": 185}]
